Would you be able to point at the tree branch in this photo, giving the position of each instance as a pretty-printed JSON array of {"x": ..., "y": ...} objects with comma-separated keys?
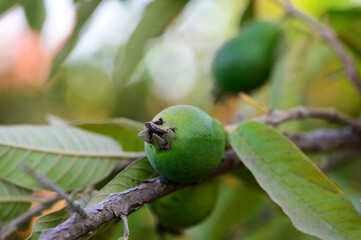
[
  {"x": 124, "y": 203},
  {"x": 114, "y": 206},
  {"x": 330, "y": 36},
  {"x": 323, "y": 140},
  {"x": 276, "y": 117}
]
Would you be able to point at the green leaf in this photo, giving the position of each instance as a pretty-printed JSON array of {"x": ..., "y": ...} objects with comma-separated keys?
[
  {"x": 6, "y": 5},
  {"x": 12, "y": 203},
  {"x": 35, "y": 13},
  {"x": 68, "y": 156},
  {"x": 346, "y": 23},
  {"x": 49, "y": 220},
  {"x": 122, "y": 130},
  {"x": 156, "y": 17},
  {"x": 248, "y": 12},
  {"x": 133, "y": 175},
  {"x": 311, "y": 200},
  {"x": 85, "y": 8}
]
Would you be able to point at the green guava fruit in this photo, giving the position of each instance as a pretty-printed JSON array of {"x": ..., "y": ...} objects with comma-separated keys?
[
  {"x": 245, "y": 62},
  {"x": 183, "y": 143},
  {"x": 186, "y": 207}
]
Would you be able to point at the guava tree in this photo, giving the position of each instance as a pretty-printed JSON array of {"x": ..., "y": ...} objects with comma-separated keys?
[{"x": 288, "y": 170}]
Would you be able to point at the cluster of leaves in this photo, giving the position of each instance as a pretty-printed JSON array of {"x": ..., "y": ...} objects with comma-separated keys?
[{"x": 80, "y": 154}]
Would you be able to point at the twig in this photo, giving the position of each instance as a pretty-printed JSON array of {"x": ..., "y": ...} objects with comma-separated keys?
[
  {"x": 325, "y": 140},
  {"x": 125, "y": 227},
  {"x": 277, "y": 117},
  {"x": 44, "y": 181},
  {"x": 9, "y": 228},
  {"x": 330, "y": 36},
  {"x": 243, "y": 96}
]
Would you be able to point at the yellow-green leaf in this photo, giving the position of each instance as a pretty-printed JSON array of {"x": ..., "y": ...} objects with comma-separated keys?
[{"x": 314, "y": 203}]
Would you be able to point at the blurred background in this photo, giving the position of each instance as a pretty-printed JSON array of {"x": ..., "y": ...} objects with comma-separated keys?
[
  {"x": 74, "y": 60},
  {"x": 93, "y": 59}
]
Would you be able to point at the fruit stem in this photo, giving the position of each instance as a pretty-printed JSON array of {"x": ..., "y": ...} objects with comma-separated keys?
[
  {"x": 248, "y": 99},
  {"x": 155, "y": 135}
]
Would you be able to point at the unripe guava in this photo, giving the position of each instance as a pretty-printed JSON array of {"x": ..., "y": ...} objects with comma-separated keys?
[
  {"x": 186, "y": 207},
  {"x": 245, "y": 62},
  {"x": 183, "y": 143}
]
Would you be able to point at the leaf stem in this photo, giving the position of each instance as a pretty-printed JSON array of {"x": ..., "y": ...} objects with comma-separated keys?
[{"x": 248, "y": 99}]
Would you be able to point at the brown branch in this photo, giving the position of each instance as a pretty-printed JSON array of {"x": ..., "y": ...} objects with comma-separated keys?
[
  {"x": 124, "y": 203},
  {"x": 11, "y": 227},
  {"x": 323, "y": 140},
  {"x": 330, "y": 36},
  {"x": 113, "y": 207},
  {"x": 276, "y": 117}
]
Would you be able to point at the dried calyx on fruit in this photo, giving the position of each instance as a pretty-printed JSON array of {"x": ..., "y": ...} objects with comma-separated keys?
[
  {"x": 183, "y": 143},
  {"x": 156, "y": 135}
]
